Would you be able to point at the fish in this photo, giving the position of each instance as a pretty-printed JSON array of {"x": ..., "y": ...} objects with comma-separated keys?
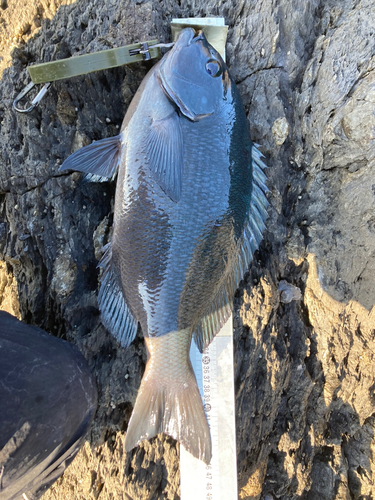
[{"x": 190, "y": 211}]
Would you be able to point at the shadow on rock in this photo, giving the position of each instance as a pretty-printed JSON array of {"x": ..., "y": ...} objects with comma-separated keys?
[{"x": 307, "y": 407}]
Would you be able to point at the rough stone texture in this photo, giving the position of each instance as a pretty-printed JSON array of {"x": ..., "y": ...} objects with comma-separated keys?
[
  {"x": 8, "y": 292},
  {"x": 304, "y": 370}
]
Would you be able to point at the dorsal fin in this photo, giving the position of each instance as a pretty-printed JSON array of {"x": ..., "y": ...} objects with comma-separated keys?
[{"x": 219, "y": 311}]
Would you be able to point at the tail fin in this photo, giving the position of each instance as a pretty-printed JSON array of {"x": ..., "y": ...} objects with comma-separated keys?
[{"x": 174, "y": 408}]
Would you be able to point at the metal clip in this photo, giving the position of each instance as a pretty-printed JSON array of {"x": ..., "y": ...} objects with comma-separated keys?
[
  {"x": 143, "y": 49},
  {"x": 36, "y": 99}
]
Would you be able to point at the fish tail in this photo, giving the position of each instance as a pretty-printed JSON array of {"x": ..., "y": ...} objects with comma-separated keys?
[{"x": 169, "y": 401}]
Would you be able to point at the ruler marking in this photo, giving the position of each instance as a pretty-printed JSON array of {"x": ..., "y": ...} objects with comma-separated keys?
[{"x": 218, "y": 480}]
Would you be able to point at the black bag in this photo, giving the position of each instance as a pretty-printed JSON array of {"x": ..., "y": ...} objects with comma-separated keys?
[{"x": 47, "y": 402}]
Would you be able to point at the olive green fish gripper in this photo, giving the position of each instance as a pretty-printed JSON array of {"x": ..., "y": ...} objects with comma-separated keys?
[{"x": 48, "y": 72}]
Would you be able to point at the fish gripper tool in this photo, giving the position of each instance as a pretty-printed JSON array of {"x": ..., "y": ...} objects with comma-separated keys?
[{"x": 48, "y": 72}]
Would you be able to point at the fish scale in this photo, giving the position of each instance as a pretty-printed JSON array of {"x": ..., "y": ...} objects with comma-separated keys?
[{"x": 168, "y": 346}]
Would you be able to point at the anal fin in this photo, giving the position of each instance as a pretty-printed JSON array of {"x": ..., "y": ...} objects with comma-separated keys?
[{"x": 115, "y": 312}]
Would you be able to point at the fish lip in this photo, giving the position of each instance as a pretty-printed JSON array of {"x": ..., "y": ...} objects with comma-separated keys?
[
  {"x": 199, "y": 35},
  {"x": 195, "y": 36}
]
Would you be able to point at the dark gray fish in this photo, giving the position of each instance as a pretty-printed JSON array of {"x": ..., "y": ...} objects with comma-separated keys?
[{"x": 189, "y": 211}]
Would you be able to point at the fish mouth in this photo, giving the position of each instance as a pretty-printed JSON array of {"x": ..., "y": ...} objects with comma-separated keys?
[
  {"x": 194, "y": 35},
  {"x": 199, "y": 35}
]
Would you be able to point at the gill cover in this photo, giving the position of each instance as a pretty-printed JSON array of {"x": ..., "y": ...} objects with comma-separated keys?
[{"x": 193, "y": 75}]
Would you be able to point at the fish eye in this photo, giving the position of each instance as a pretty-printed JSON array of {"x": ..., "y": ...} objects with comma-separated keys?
[{"x": 213, "y": 68}]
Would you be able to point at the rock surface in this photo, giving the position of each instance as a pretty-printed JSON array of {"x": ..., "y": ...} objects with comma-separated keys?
[{"x": 304, "y": 369}]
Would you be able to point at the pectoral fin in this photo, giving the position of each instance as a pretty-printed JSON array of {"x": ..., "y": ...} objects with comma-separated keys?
[
  {"x": 164, "y": 152},
  {"x": 99, "y": 160}
]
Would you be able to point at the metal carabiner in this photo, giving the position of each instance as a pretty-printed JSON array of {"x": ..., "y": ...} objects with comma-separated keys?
[{"x": 36, "y": 99}]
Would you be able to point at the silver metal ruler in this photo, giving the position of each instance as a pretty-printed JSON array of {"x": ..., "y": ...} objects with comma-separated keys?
[
  {"x": 214, "y": 373},
  {"x": 214, "y": 369}
]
